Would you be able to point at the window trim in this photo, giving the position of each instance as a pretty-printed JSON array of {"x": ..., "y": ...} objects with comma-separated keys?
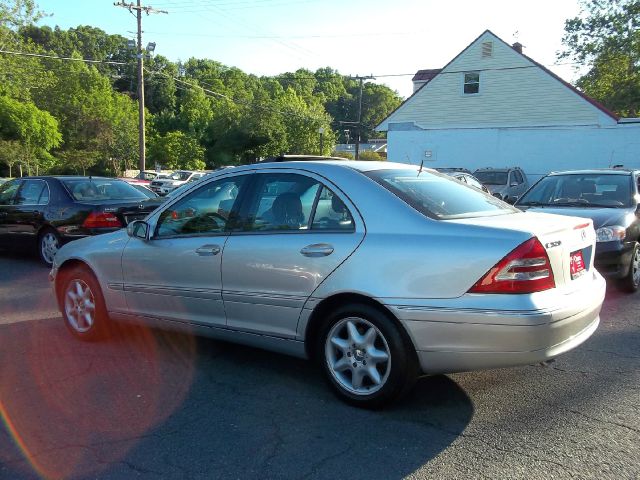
[{"x": 464, "y": 83}]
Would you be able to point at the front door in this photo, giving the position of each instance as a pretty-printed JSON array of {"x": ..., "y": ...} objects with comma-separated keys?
[
  {"x": 176, "y": 274},
  {"x": 295, "y": 233},
  {"x": 28, "y": 215},
  {"x": 8, "y": 191}
]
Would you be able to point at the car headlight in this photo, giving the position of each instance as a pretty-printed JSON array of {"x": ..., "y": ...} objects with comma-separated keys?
[{"x": 608, "y": 234}]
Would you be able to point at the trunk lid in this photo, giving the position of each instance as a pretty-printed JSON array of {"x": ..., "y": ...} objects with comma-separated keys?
[{"x": 567, "y": 240}]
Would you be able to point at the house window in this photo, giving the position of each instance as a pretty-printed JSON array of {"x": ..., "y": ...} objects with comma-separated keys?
[{"x": 471, "y": 83}]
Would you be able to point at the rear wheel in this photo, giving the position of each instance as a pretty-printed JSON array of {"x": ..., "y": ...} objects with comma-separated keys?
[
  {"x": 631, "y": 282},
  {"x": 365, "y": 356},
  {"x": 48, "y": 244},
  {"x": 83, "y": 307}
]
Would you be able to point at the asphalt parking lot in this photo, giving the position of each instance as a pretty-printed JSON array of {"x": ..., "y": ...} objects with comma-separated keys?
[{"x": 151, "y": 404}]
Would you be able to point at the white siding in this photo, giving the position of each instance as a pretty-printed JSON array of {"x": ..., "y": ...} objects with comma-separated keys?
[{"x": 514, "y": 92}]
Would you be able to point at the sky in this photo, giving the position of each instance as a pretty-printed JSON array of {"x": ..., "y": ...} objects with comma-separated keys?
[{"x": 389, "y": 39}]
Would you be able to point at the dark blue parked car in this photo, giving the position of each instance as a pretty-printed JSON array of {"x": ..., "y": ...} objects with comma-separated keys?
[{"x": 610, "y": 198}]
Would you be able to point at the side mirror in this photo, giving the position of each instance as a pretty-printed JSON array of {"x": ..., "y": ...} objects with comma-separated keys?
[
  {"x": 511, "y": 199},
  {"x": 138, "y": 229},
  {"x": 514, "y": 184}
]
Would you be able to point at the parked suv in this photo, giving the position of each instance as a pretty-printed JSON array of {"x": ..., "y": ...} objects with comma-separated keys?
[
  {"x": 173, "y": 181},
  {"x": 504, "y": 183}
]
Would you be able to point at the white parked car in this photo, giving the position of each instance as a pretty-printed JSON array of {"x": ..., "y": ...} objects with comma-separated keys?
[{"x": 179, "y": 177}]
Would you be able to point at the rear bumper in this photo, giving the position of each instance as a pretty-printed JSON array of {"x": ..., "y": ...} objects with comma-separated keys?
[{"x": 453, "y": 339}]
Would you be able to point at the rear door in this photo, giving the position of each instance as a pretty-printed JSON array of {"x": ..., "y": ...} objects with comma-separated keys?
[{"x": 297, "y": 230}]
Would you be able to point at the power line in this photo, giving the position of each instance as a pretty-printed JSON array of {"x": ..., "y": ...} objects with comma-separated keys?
[{"x": 56, "y": 57}]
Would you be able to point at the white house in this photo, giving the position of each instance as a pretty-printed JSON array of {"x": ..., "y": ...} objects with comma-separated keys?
[{"x": 492, "y": 106}]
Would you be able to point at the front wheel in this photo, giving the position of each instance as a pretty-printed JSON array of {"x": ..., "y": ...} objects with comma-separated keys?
[
  {"x": 631, "y": 282},
  {"x": 365, "y": 357},
  {"x": 83, "y": 307}
]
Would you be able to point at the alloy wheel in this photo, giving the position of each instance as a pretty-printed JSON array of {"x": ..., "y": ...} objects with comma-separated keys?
[
  {"x": 358, "y": 356},
  {"x": 79, "y": 306},
  {"x": 49, "y": 245}
]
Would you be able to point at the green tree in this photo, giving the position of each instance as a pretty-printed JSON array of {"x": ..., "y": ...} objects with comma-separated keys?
[
  {"x": 10, "y": 153},
  {"x": 606, "y": 37},
  {"x": 176, "y": 150},
  {"x": 36, "y": 130},
  {"x": 371, "y": 156}
]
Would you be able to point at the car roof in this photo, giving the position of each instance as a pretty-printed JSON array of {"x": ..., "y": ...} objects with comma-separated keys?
[
  {"x": 501, "y": 169},
  {"x": 70, "y": 177},
  {"x": 596, "y": 171}
]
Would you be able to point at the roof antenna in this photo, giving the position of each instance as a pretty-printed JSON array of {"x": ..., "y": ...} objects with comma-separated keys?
[{"x": 421, "y": 165}]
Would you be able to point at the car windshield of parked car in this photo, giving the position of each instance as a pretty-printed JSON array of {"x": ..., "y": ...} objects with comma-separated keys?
[
  {"x": 438, "y": 196},
  {"x": 491, "y": 177},
  {"x": 580, "y": 190},
  {"x": 181, "y": 176},
  {"x": 99, "y": 189}
]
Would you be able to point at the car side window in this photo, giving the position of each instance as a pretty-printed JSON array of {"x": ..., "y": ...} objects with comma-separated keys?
[
  {"x": 31, "y": 192},
  {"x": 205, "y": 211},
  {"x": 8, "y": 192},
  {"x": 282, "y": 201},
  {"x": 517, "y": 177},
  {"x": 331, "y": 213}
]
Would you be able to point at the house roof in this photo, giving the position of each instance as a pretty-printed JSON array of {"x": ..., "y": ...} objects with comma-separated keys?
[
  {"x": 425, "y": 75},
  {"x": 593, "y": 102}
]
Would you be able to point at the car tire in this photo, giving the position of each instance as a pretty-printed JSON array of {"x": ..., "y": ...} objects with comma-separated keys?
[
  {"x": 366, "y": 358},
  {"x": 49, "y": 243},
  {"x": 82, "y": 304},
  {"x": 631, "y": 282}
]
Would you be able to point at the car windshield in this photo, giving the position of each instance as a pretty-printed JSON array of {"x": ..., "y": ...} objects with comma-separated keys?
[
  {"x": 438, "y": 196},
  {"x": 491, "y": 177},
  {"x": 98, "y": 189},
  {"x": 580, "y": 190},
  {"x": 180, "y": 176}
]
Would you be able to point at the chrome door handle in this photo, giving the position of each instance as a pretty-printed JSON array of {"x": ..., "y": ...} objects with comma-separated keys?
[
  {"x": 208, "y": 250},
  {"x": 317, "y": 250}
]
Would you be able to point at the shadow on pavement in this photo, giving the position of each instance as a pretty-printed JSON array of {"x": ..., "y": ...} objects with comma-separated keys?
[{"x": 149, "y": 403}]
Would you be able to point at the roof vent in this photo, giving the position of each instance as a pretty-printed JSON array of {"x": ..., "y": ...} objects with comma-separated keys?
[
  {"x": 487, "y": 49},
  {"x": 517, "y": 47}
]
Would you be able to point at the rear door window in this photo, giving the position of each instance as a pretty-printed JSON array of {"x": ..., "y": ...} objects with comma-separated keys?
[{"x": 32, "y": 192}]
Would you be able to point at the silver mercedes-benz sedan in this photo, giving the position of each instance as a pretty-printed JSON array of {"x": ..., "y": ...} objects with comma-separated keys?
[{"x": 379, "y": 271}]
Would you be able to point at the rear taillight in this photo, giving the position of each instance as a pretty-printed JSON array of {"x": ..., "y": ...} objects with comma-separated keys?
[
  {"x": 525, "y": 270},
  {"x": 101, "y": 220}
]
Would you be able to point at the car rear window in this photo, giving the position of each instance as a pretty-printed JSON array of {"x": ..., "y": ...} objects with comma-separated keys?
[
  {"x": 438, "y": 196},
  {"x": 491, "y": 177},
  {"x": 99, "y": 189}
]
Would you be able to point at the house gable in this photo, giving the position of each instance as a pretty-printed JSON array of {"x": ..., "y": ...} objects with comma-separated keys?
[{"x": 514, "y": 91}]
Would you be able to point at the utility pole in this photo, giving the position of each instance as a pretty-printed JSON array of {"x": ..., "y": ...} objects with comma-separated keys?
[
  {"x": 359, "y": 122},
  {"x": 139, "y": 8}
]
